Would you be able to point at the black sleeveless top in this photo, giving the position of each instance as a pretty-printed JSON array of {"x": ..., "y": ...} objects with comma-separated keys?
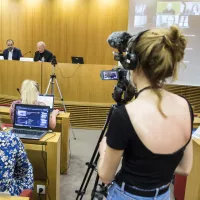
[{"x": 140, "y": 167}]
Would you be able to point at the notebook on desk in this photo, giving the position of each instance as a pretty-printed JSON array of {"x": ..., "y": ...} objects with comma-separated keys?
[{"x": 31, "y": 121}]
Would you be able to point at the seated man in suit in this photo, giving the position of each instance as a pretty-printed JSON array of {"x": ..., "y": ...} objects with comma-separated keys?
[
  {"x": 11, "y": 53},
  {"x": 42, "y": 54}
]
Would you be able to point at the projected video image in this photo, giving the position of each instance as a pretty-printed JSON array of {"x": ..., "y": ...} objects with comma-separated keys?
[
  {"x": 168, "y": 8},
  {"x": 190, "y": 8},
  {"x": 167, "y": 20},
  {"x": 140, "y": 15}
]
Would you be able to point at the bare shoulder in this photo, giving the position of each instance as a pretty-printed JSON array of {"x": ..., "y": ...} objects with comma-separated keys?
[
  {"x": 177, "y": 99},
  {"x": 148, "y": 103}
]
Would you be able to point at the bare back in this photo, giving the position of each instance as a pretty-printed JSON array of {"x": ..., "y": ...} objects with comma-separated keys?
[{"x": 159, "y": 134}]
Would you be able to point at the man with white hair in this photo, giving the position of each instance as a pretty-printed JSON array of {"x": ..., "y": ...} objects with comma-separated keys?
[
  {"x": 169, "y": 9},
  {"x": 42, "y": 55}
]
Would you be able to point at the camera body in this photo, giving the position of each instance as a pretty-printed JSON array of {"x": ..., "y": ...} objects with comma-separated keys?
[
  {"x": 123, "y": 90},
  {"x": 115, "y": 74}
]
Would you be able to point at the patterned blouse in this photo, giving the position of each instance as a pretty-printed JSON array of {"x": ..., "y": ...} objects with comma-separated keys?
[
  {"x": 16, "y": 172},
  {"x": 12, "y": 107}
]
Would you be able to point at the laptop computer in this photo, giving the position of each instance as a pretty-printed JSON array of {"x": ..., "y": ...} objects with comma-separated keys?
[
  {"x": 77, "y": 60},
  {"x": 47, "y": 99},
  {"x": 31, "y": 121}
]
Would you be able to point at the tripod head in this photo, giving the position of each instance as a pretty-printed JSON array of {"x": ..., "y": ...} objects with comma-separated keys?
[{"x": 53, "y": 61}]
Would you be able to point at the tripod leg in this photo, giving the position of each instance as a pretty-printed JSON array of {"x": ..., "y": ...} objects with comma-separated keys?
[
  {"x": 93, "y": 164},
  {"x": 52, "y": 86},
  {"x": 61, "y": 97},
  {"x": 95, "y": 187},
  {"x": 64, "y": 106},
  {"x": 48, "y": 86}
]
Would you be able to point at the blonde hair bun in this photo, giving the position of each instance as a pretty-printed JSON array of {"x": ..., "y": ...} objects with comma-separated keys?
[{"x": 176, "y": 41}]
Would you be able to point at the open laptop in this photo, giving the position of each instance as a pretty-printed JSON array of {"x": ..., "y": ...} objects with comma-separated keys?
[
  {"x": 31, "y": 121},
  {"x": 47, "y": 99},
  {"x": 77, "y": 60}
]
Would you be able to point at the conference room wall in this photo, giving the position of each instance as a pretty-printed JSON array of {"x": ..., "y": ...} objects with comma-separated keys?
[{"x": 68, "y": 27}]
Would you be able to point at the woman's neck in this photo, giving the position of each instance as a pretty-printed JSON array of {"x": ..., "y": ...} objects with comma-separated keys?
[{"x": 142, "y": 84}]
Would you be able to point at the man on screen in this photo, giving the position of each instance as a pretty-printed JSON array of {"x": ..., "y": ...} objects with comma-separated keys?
[
  {"x": 11, "y": 53},
  {"x": 169, "y": 9},
  {"x": 42, "y": 55}
]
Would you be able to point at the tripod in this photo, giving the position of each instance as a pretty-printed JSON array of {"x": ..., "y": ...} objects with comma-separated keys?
[
  {"x": 96, "y": 195},
  {"x": 51, "y": 83}
]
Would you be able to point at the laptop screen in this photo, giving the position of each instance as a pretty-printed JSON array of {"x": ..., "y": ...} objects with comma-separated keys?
[
  {"x": 31, "y": 116},
  {"x": 77, "y": 60},
  {"x": 48, "y": 100}
]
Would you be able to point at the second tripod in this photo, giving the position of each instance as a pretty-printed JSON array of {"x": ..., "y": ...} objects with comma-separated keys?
[
  {"x": 102, "y": 190},
  {"x": 52, "y": 81}
]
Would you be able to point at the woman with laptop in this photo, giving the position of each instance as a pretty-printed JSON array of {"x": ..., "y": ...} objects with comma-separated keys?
[
  {"x": 16, "y": 172},
  {"x": 29, "y": 93}
]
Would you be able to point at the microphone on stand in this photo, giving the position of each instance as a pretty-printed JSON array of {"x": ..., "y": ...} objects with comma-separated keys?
[
  {"x": 18, "y": 90},
  {"x": 26, "y": 53}
]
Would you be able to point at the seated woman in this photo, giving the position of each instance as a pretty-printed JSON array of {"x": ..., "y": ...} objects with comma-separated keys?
[
  {"x": 16, "y": 172},
  {"x": 29, "y": 93}
]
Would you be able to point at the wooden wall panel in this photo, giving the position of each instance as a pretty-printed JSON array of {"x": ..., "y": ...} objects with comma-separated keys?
[
  {"x": 68, "y": 27},
  {"x": 12, "y": 73},
  {"x": 80, "y": 83}
]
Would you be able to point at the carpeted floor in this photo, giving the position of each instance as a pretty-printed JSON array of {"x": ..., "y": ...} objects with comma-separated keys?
[{"x": 81, "y": 151}]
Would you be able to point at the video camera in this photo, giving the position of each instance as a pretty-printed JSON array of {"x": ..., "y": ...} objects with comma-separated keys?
[
  {"x": 119, "y": 74},
  {"x": 124, "y": 90}
]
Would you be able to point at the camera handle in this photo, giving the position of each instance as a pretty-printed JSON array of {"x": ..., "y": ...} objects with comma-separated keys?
[{"x": 93, "y": 164}]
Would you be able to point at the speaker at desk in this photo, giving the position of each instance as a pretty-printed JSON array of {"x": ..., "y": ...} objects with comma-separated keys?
[{"x": 77, "y": 60}]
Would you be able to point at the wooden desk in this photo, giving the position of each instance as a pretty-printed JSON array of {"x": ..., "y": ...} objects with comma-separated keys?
[
  {"x": 85, "y": 84},
  {"x": 196, "y": 123},
  {"x": 50, "y": 144},
  {"x": 193, "y": 180},
  {"x": 62, "y": 126}
]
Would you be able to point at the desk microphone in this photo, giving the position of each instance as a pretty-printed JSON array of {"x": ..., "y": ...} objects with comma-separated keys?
[
  {"x": 25, "y": 54},
  {"x": 18, "y": 91}
]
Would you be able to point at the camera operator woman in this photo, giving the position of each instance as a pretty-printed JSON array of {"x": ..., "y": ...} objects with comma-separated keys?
[
  {"x": 153, "y": 132},
  {"x": 29, "y": 93}
]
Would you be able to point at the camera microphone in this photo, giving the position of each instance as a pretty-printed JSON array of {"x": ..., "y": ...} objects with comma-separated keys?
[
  {"x": 119, "y": 40},
  {"x": 26, "y": 53}
]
